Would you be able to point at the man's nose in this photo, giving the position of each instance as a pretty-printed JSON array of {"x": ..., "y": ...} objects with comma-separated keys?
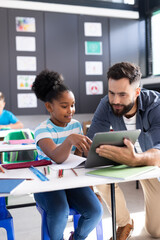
[{"x": 116, "y": 99}]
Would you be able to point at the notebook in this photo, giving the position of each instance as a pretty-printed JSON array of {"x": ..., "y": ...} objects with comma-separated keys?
[
  {"x": 27, "y": 164},
  {"x": 111, "y": 138},
  {"x": 120, "y": 172},
  {"x": 22, "y": 141},
  {"x": 9, "y": 185}
]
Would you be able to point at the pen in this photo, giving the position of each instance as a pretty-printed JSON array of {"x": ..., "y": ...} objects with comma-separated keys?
[
  {"x": 1, "y": 169},
  {"x": 74, "y": 171},
  {"x": 40, "y": 175}
]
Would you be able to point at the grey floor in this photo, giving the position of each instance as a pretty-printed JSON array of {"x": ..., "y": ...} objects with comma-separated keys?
[{"x": 27, "y": 221}]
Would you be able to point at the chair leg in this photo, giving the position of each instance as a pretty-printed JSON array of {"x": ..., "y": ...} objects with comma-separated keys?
[
  {"x": 6, "y": 220},
  {"x": 44, "y": 228},
  {"x": 10, "y": 231},
  {"x": 137, "y": 184},
  {"x": 44, "y": 231},
  {"x": 99, "y": 231},
  {"x": 75, "y": 220}
]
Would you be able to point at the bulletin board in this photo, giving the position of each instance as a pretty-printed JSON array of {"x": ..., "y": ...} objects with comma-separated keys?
[{"x": 26, "y": 43}]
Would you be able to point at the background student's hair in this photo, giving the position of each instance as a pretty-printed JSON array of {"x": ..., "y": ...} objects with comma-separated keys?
[
  {"x": 2, "y": 96},
  {"x": 49, "y": 85}
]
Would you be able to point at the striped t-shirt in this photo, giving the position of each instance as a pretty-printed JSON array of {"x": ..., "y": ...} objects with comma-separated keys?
[{"x": 58, "y": 134}]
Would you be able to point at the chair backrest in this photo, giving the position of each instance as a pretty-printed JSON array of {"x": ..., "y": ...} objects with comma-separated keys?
[
  {"x": 19, "y": 156},
  {"x": 85, "y": 126}
]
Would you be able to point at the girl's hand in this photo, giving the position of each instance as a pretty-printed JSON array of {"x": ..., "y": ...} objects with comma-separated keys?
[{"x": 81, "y": 142}]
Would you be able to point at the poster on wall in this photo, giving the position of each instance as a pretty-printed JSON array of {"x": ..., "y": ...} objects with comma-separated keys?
[
  {"x": 26, "y": 63},
  {"x": 25, "y": 82},
  {"x": 26, "y": 100},
  {"x": 92, "y": 29},
  {"x": 93, "y": 68},
  {"x": 25, "y": 24},
  {"x": 93, "y": 48},
  {"x": 27, "y": 44},
  {"x": 94, "y": 88}
]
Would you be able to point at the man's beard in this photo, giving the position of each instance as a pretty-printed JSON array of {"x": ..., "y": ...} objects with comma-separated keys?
[{"x": 126, "y": 109}]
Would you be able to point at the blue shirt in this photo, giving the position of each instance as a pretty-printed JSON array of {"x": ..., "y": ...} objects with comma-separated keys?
[
  {"x": 47, "y": 129},
  {"x": 147, "y": 119},
  {"x": 7, "y": 118}
]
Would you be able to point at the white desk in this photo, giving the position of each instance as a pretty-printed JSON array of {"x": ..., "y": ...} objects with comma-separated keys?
[
  {"x": 16, "y": 147},
  {"x": 4, "y": 133},
  {"x": 69, "y": 180}
]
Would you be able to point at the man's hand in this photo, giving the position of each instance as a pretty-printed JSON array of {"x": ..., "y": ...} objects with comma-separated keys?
[{"x": 124, "y": 155}]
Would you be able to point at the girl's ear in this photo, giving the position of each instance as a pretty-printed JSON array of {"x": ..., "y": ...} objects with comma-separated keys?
[{"x": 49, "y": 107}]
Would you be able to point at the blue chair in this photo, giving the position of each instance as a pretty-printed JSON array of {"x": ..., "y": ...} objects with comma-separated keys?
[
  {"x": 76, "y": 216},
  {"x": 6, "y": 220}
]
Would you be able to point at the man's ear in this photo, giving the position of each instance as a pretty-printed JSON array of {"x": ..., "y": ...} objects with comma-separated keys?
[
  {"x": 49, "y": 107},
  {"x": 138, "y": 90}
]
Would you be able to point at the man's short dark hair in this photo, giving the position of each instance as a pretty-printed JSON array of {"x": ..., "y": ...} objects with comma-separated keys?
[{"x": 125, "y": 70}]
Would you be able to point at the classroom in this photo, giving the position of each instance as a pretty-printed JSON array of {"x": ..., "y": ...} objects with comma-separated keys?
[{"x": 79, "y": 41}]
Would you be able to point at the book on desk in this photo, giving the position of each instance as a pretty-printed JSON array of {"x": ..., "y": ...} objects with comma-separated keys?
[
  {"x": 120, "y": 172},
  {"x": 8, "y": 185}
]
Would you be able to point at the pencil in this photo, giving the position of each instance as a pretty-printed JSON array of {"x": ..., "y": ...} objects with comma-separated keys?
[
  {"x": 45, "y": 173},
  {"x": 60, "y": 174},
  {"x": 1, "y": 169},
  {"x": 74, "y": 171},
  {"x": 48, "y": 169}
]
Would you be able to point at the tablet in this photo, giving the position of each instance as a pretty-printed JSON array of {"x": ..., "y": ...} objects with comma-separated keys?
[{"x": 110, "y": 138}]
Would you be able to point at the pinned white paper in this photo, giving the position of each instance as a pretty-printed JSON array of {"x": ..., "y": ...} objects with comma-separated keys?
[
  {"x": 94, "y": 68},
  {"x": 26, "y": 100},
  {"x": 92, "y": 29},
  {"x": 25, "y": 44},
  {"x": 25, "y": 82},
  {"x": 26, "y": 63},
  {"x": 94, "y": 88},
  {"x": 25, "y": 24}
]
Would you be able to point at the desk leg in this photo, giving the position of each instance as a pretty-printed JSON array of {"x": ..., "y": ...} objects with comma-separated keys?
[{"x": 113, "y": 206}]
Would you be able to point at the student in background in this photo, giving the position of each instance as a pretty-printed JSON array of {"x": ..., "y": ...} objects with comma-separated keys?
[
  {"x": 128, "y": 107},
  {"x": 56, "y": 138},
  {"x": 7, "y": 119}
]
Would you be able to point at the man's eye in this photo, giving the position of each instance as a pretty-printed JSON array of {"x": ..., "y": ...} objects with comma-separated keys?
[{"x": 64, "y": 106}]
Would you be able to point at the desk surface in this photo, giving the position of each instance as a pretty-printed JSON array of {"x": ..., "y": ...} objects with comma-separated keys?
[
  {"x": 16, "y": 147},
  {"x": 4, "y": 133},
  {"x": 69, "y": 180}
]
